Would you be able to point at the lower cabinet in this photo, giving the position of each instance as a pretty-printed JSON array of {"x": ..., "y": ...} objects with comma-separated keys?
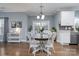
[
  {"x": 78, "y": 38},
  {"x": 64, "y": 37},
  {"x": 74, "y": 38}
]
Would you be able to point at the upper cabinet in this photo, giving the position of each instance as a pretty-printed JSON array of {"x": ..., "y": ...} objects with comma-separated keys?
[{"x": 67, "y": 18}]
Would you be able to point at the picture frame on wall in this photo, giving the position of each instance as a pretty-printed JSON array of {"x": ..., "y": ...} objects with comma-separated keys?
[{"x": 15, "y": 24}]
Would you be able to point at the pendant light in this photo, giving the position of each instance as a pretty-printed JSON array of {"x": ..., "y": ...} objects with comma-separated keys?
[{"x": 41, "y": 16}]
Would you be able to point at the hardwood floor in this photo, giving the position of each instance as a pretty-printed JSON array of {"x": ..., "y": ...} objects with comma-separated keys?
[{"x": 21, "y": 49}]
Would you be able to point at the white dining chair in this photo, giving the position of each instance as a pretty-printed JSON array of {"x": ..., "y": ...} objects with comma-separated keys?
[
  {"x": 50, "y": 43},
  {"x": 33, "y": 44}
]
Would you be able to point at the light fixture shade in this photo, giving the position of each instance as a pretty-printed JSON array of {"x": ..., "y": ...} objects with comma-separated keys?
[
  {"x": 42, "y": 17},
  {"x": 38, "y": 17},
  {"x": 17, "y": 30}
]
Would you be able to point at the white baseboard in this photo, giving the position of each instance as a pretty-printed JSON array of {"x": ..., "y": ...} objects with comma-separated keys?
[{"x": 64, "y": 43}]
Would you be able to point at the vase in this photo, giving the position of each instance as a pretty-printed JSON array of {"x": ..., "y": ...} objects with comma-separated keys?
[{"x": 41, "y": 34}]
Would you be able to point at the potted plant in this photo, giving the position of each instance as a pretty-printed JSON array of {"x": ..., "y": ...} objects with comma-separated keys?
[
  {"x": 41, "y": 29},
  {"x": 53, "y": 29}
]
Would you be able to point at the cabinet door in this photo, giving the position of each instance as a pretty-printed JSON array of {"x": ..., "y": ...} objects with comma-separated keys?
[
  {"x": 65, "y": 37},
  {"x": 67, "y": 18},
  {"x": 77, "y": 38},
  {"x": 73, "y": 39}
]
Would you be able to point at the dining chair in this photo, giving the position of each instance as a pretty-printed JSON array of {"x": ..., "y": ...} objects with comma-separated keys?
[
  {"x": 33, "y": 44},
  {"x": 50, "y": 43}
]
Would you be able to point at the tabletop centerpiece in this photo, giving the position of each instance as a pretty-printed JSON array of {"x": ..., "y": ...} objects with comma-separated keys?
[{"x": 41, "y": 29}]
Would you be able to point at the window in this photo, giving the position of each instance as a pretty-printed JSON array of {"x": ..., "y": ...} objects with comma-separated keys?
[{"x": 40, "y": 24}]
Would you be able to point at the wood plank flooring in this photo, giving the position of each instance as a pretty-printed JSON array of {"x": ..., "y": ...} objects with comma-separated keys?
[{"x": 21, "y": 49}]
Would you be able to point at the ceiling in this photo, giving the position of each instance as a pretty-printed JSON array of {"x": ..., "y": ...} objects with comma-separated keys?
[{"x": 33, "y": 9}]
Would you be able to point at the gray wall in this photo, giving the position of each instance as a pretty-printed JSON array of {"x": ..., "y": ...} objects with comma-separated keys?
[
  {"x": 26, "y": 21},
  {"x": 57, "y": 20},
  {"x": 32, "y": 18},
  {"x": 77, "y": 14},
  {"x": 17, "y": 16}
]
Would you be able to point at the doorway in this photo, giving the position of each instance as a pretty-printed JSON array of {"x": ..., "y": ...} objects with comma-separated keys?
[{"x": 4, "y": 29}]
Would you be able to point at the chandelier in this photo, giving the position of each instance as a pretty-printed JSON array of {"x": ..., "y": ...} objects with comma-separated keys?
[{"x": 41, "y": 16}]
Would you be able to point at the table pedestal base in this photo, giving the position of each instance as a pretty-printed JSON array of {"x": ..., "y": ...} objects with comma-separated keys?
[{"x": 42, "y": 49}]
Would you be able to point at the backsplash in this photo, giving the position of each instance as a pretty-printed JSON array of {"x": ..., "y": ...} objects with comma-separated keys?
[{"x": 65, "y": 27}]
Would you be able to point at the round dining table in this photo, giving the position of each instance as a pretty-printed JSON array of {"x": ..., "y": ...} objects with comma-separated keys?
[{"x": 42, "y": 41}]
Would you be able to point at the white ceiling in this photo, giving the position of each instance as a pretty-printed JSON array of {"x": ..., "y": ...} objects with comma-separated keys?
[{"x": 33, "y": 9}]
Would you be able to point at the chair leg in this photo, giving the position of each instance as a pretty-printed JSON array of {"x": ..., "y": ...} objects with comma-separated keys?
[
  {"x": 33, "y": 53},
  {"x": 53, "y": 50},
  {"x": 28, "y": 50},
  {"x": 48, "y": 52}
]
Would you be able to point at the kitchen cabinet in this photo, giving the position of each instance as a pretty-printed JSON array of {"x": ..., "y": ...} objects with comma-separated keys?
[
  {"x": 64, "y": 36},
  {"x": 67, "y": 18},
  {"x": 74, "y": 38}
]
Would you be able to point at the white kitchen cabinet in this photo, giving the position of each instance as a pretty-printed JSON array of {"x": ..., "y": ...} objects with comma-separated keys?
[
  {"x": 67, "y": 18},
  {"x": 64, "y": 36}
]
